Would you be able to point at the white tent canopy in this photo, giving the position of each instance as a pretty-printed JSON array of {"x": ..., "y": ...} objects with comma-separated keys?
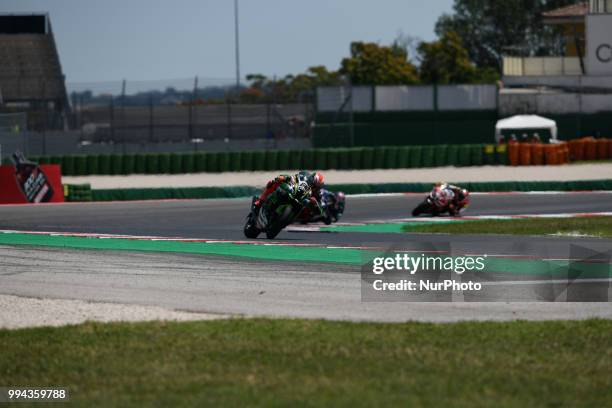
[{"x": 526, "y": 122}]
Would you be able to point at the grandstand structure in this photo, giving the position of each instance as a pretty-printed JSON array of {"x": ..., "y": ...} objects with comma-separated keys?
[{"x": 31, "y": 77}]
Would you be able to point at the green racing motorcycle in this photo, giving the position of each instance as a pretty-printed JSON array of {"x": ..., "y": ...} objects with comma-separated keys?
[{"x": 280, "y": 209}]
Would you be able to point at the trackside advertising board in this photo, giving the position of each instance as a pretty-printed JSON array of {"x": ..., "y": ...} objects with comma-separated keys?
[{"x": 31, "y": 184}]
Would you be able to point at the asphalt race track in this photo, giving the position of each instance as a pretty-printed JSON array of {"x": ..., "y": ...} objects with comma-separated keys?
[
  {"x": 224, "y": 219},
  {"x": 248, "y": 287}
]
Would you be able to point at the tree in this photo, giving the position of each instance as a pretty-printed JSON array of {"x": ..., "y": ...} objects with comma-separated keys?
[
  {"x": 488, "y": 28},
  {"x": 373, "y": 64},
  {"x": 447, "y": 61}
]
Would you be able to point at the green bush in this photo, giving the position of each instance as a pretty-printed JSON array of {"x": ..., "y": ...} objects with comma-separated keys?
[
  {"x": 200, "y": 162},
  {"x": 153, "y": 163},
  {"x": 188, "y": 163},
  {"x": 67, "y": 165},
  {"x": 415, "y": 156},
  {"x": 271, "y": 159},
  {"x": 367, "y": 158},
  {"x": 246, "y": 159},
  {"x": 129, "y": 164},
  {"x": 116, "y": 164},
  {"x": 283, "y": 160},
  {"x": 104, "y": 164},
  {"x": 140, "y": 163},
  {"x": 235, "y": 161}
]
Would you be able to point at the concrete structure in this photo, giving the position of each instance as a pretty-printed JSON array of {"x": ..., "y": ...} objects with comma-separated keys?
[{"x": 587, "y": 61}]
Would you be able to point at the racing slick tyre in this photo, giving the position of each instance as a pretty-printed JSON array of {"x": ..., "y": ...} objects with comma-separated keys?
[
  {"x": 420, "y": 209},
  {"x": 277, "y": 225},
  {"x": 250, "y": 230}
]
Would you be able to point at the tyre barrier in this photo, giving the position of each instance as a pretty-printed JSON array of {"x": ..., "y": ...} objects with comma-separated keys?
[{"x": 386, "y": 157}]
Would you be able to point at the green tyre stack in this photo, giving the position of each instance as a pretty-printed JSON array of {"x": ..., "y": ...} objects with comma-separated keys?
[
  {"x": 80, "y": 165},
  {"x": 283, "y": 160},
  {"x": 200, "y": 162},
  {"x": 415, "y": 156},
  {"x": 223, "y": 162},
  {"x": 465, "y": 155},
  {"x": 441, "y": 155},
  {"x": 477, "y": 155},
  {"x": 176, "y": 163},
  {"x": 427, "y": 156},
  {"x": 68, "y": 165},
  {"x": 320, "y": 159},
  {"x": 246, "y": 161},
  {"x": 235, "y": 161},
  {"x": 452, "y": 155},
  {"x": 308, "y": 159},
  {"x": 295, "y": 160},
  {"x": 188, "y": 163},
  {"x": 152, "y": 163},
  {"x": 259, "y": 160},
  {"x": 140, "y": 163},
  {"x": 104, "y": 164},
  {"x": 271, "y": 158},
  {"x": 367, "y": 158},
  {"x": 403, "y": 156},
  {"x": 129, "y": 164},
  {"x": 164, "y": 163}
]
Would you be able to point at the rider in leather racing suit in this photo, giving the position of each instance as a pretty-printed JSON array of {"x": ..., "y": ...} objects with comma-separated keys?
[
  {"x": 459, "y": 196},
  {"x": 314, "y": 180}
]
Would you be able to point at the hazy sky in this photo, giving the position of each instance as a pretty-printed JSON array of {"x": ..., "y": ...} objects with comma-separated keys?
[{"x": 152, "y": 39}]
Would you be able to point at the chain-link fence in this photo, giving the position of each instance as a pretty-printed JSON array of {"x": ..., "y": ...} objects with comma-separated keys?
[{"x": 183, "y": 110}]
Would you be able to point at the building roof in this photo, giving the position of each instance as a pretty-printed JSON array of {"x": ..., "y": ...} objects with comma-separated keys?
[{"x": 573, "y": 12}]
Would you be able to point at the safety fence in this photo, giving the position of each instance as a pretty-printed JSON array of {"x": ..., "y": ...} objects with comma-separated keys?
[{"x": 272, "y": 160}]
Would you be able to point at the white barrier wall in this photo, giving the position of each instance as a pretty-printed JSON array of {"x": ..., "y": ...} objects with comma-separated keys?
[
  {"x": 404, "y": 98},
  {"x": 331, "y": 98},
  {"x": 553, "y": 103},
  {"x": 467, "y": 97}
]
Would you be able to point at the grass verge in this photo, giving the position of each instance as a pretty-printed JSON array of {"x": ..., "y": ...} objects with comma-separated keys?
[
  {"x": 287, "y": 362},
  {"x": 600, "y": 226}
]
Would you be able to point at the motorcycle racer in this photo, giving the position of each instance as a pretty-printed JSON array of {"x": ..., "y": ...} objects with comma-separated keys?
[
  {"x": 314, "y": 181},
  {"x": 457, "y": 199}
]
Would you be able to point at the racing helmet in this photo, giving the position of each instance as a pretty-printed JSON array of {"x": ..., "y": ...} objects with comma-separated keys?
[
  {"x": 302, "y": 183},
  {"x": 317, "y": 179}
]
